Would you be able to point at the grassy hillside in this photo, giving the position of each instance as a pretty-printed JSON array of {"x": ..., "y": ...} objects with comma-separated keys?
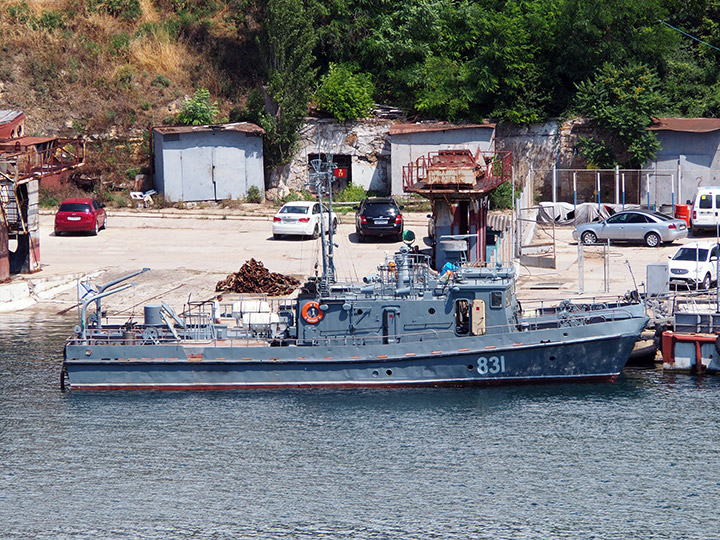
[{"x": 108, "y": 69}]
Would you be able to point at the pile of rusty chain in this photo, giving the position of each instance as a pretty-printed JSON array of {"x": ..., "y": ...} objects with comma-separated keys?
[{"x": 253, "y": 277}]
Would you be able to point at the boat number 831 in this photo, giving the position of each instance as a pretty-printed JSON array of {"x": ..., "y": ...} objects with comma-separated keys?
[{"x": 492, "y": 365}]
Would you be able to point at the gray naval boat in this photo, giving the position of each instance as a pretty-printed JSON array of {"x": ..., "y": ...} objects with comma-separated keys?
[{"x": 404, "y": 326}]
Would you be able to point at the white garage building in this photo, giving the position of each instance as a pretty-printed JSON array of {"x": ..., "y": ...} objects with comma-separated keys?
[{"x": 208, "y": 163}]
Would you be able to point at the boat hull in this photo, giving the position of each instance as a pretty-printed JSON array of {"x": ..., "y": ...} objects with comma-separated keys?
[{"x": 595, "y": 352}]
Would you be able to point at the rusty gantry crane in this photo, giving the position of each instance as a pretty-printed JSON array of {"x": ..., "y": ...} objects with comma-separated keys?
[
  {"x": 458, "y": 184},
  {"x": 24, "y": 163}
]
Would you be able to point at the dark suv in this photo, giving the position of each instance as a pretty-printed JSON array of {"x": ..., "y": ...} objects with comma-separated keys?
[{"x": 378, "y": 217}]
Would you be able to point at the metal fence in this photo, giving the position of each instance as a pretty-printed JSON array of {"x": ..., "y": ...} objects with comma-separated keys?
[{"x": 654, "y": 188}]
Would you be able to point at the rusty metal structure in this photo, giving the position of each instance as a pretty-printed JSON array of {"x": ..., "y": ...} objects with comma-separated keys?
[
  {"x": 25, "y": 163},
  {"x": 458, "y": 184}
]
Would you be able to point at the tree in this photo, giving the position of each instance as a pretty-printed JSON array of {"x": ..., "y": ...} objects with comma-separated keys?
[
  {"x": 620, "y": 102},
  {"x": 286, "y": 43},
  {"x": 344, "y": 94},
  {"x": 198, "y": 110}
]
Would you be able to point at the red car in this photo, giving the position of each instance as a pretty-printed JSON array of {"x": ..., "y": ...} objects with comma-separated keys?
[{"x": 80, "y": 215}]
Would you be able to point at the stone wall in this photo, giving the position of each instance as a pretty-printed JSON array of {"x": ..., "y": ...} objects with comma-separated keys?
[
  {"x": 539, "y": 147},
  {"x": 535, "y": 148},
  {"x": 364, "y": 142}
]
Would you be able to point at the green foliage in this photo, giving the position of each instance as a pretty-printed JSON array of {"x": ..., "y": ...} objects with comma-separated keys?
[
  {"x": 345, "y": 95},
  {"x": 501, "y": 197},
  {"x": 293, "y": 196},
  {"x": 621, "y": 102},
  {"x": 350, "y": 193},
  {"x": 48, "y": 20},
  {"x": 44, "y": 73},
  {"x": 123, "y": 77},
  {"x": 119, "y": 44},
  {"x": 47, "y": 199},
  {"x": 160, "y": 81},
  {"x": 51, "y": 20},
  {"x": 198, "y": 110},
  {"x": 253, "y": 195},
  {"x": 20, "y": 13},
  {"x": 253, "y": 109},
  {"x": 286, "y": 43},
  {"x": 126, "y": 10}
]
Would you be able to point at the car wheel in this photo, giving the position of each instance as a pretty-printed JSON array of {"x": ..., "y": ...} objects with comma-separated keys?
[
  {"x": 316, "y": 232},
  {"x": 334, "y": 227},
  {"x": 652, "y": 240},
  {"x": 588, "y": 237},
  {"x": 104, "y": 224},
  {"x": 277, "y": 236},
  {"x": 58, "y": 233},
  {"x": 706, "y": 282},
  {"x": 95, "y": 231}
]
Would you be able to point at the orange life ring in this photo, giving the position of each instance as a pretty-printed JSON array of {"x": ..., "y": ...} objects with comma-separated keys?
[{"x": 312, "y": 313}]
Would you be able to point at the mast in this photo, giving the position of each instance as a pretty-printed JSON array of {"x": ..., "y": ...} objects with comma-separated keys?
[{"x": 322, "y": 175}]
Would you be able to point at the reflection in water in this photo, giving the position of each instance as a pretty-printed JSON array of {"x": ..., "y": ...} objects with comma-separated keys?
[{"x": 565, "y": 461}]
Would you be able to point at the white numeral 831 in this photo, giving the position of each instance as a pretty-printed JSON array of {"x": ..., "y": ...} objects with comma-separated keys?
[{"x": 492, "y": 365}]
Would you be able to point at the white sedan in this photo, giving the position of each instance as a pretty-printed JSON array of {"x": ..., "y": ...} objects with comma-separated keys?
[{"x": 302, "y": 218}]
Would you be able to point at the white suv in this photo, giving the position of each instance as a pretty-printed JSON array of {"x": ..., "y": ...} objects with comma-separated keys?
[{"x": 695, "y": 264}]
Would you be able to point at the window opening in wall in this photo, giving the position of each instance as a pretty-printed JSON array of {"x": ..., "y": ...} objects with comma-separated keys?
[{"x": 343, "y": 173}]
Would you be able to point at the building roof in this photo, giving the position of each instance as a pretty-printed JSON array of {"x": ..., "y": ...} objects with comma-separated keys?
[
  {"x": 24, "y": 142},
  {"x": 687, "y": 125},
  {"x": 245, "y": 127},
  {"x": 7, "y": 116},
  {"x": 401, "y": 129}
]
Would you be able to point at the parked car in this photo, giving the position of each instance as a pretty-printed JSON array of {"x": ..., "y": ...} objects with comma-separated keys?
[
  {"x": 302, "y": 218},
  {"x": 649, "y": 227},
  {"x": 378, "y": 217},
  {"x": 705, "y": 209},
  {"x": 80, "y": 215},
  {"x": 695, "y": 265}
]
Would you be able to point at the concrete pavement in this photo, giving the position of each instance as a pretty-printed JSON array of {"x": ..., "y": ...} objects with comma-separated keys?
[{"x": 189, "y": 251}]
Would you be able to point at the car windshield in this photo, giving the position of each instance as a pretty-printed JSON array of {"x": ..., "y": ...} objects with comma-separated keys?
[
  {"x": 74, "y": 207},
  {"x": 690, "y": 254},
  {"x": 661, "y": 216},
  {"x": 379, "y": 209},
  {"x": 294, "y": 210}
]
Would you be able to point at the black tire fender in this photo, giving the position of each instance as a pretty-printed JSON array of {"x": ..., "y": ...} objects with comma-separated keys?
[{"x": 657, "y": 338}]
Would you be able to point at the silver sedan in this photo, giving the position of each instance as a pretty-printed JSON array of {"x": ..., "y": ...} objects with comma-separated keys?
[{"x": 649, "y": 227}]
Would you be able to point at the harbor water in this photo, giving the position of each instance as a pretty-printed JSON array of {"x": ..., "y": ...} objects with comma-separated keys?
[{"x": 631, "y": 459}]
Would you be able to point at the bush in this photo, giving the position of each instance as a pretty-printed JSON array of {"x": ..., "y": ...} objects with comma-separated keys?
[
  {"x": 296, "y": 196},
  {"x": 127, "y": 10},
  {"x": 48, "y": 199},
  {"x": 351, "y": 193},
  {"x": 198, "y": 110},
  {"x": 123, "y": 77},
  {"x": 119, "y": 44},
  {"x": 501, "y": 197},
  {"x": 254, "y": 195},
  {"x": 345, "y": 95},
  {"x": 161, "y": 81}
]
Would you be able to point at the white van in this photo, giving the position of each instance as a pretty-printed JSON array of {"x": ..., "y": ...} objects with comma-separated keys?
[{"x": 706, "y": 209}]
